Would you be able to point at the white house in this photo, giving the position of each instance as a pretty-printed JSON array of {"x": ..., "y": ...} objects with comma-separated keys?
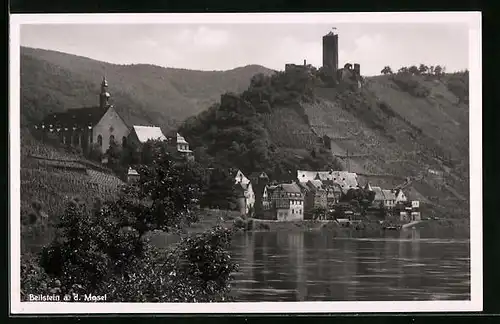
[
  {"x": 389, "y": 198},
  {"x": 400, "y": 196},
  {"x": 239, "y": 177},
  {"x": 246, "y": 197}
]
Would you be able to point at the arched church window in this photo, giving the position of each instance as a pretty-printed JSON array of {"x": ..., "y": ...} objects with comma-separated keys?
[
  {"x": 99, "y": 140},
  {"x": 111, "y": 139}
]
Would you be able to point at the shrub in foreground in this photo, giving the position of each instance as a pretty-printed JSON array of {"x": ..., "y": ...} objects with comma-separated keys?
[{"x": 103, "y": 251}]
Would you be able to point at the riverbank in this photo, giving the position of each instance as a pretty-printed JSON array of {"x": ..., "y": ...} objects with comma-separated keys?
[{"x": 232, "y": 220}]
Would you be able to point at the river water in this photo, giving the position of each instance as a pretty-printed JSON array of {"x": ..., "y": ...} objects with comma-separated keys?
[{"x": 313, "y": 266}]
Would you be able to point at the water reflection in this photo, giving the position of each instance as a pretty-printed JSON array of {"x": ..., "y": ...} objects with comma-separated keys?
[{"x": 306, "y": 266}]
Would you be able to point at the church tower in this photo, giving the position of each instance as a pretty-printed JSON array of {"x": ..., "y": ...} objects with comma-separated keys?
[{"x": 104, "y": 95}]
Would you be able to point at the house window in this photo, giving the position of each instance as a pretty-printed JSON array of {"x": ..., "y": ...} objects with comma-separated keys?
[
  {"x": 99, "y": 140},
  {"x": 293, "y": 211}
]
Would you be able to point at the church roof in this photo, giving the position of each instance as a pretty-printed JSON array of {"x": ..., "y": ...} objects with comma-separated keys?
[
  {"x": 145, "y": 133},
  {"x": 78, "y": 117}
]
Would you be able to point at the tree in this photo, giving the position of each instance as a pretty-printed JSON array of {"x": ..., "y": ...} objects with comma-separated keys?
[
  {"x": 114, "y": 154},
  {"x": 103, "y": 250},
  {"x": 219, "y": 192},
  {"x": 319, "y": 212},
  {"x": 413, "y": 70},
  {"x": 403, "y": 69},
  {"x": 95, "y": 152},
  {"x": 423, "y": 69},
  {"x": 386, "y": 70},
  {"x": 130, "y": 155},
  {"x": 438, "y": 70}
]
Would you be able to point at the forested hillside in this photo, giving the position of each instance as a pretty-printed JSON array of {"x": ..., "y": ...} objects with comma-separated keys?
[
  {"x": 398, "y": 126},
  {"x": 143, "y": 94}
]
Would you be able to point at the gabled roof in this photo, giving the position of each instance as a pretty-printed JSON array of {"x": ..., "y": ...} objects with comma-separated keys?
[
  {"x": 345, "y": 179},
  {"x": 180, "y": 139},
  {"x": 379, "y": 195},
  {"x": 258, "y": 175},
  {"x": 239, "y": 176},
  {"x": 389, "y": 195},
  {"x": 304, "y": 176},
  {"x": 290, "y": 188},
  {"x": 79, "y": 117},
  {"x": 399, "y": 192},
  {"x": 315, "y": 185},
  {"x": 145, "y": 133},
  {"x": 303, "y": 187},
  {"x": 132, "y": 172},
  {"x": 271, "y": 188}
]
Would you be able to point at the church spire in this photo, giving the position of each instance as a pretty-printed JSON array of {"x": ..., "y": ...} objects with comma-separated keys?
[{"x": 104, "y": 95}]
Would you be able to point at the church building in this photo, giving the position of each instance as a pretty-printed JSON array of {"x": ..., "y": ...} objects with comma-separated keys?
[
  {"x": 82, "y": 127},
  {"x": 102, "y": 125}
]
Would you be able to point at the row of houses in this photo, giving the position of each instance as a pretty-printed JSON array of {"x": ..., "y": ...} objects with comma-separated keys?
[{"x": 297, "y": 200}]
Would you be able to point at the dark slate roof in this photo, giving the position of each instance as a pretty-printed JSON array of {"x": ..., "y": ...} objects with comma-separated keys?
[
  {"x": 79, "y": 117},
  {"x": 290, "y": 188}
]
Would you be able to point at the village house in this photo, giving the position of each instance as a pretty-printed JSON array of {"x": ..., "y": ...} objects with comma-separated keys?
[
  {"x": 315, "y": 196},
  {"x": 178, "y": 144},
  {"x": 244, "y": 190},
  {"x": 333, "y": 193},
  {"x": 389, "y": 198},
  {"x": 288, "y": 202},
  {"x": 266, "y": 201},
  {"x": 400, "y": 196},
  {"x": 132, "y": 175},
  {"x": 259, "y": 182},
  {"x": 239, "y": 177},
  {"x": 378, "y": 201},
  {"x": 246, "y": 197}
]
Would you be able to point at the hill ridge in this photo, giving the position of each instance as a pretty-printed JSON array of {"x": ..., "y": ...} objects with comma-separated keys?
[{"x": 56, "y": 81}]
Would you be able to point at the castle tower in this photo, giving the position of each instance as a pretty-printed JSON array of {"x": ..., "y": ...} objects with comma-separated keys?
[
  {"x": 104, "y": 95},
  {"x": 357, "y": 69},
  {"x": 331, "y": 53}
]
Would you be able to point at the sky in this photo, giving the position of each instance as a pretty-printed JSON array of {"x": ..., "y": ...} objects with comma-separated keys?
[{"x": 227, "y": 46}]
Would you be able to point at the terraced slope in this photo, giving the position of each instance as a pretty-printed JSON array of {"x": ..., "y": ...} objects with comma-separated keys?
[
  {"x": 53, "y": 177},
  {"x": 390, "y": 134}
]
